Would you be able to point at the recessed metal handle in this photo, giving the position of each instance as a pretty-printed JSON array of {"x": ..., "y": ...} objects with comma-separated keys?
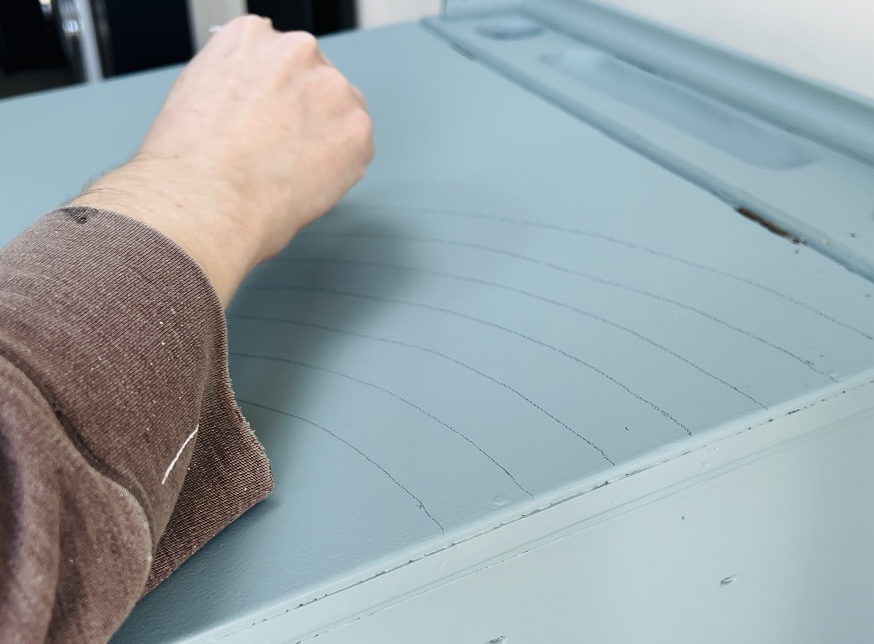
[
  {"x": 68, "y": 20},
  {"x": 48, "y": 11}
]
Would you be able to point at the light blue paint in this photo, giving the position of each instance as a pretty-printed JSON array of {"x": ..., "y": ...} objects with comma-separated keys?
[
  {"x": 509, "y": 28},
  {"x": 799, "y": 156},
  {"x": 538, "y": 289},
  {"x": 704, "y": 118},
  {"x": 507, "y": 303}
]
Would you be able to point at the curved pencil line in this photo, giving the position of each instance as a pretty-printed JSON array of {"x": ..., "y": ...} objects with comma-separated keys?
[
  {"x": 541, "y": 298},
  {"x": 400, "y": 343},
  {"x": 627, "y": 244},
  {"x": 393, "y": 395},
  {"x": 472, "y": 318},
  {"x": 600, "y": 280},
  {"x": 350, "y": 445}
]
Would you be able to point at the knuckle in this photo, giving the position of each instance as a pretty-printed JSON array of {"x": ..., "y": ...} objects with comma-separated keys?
[
  {"x": 243, "y": 30},
  {"x": 302, "y": 42},
  {"x": 297, "y": 49},
  {"x": 363, "y": 124},
  {"x": 336, "y": 84},
  {"x": 359, "y": 132},
  {"x": 250, "y": 22}
]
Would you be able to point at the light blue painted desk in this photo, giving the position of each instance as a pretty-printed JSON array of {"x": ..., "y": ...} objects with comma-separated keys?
[{"x": 536, "y": 378}]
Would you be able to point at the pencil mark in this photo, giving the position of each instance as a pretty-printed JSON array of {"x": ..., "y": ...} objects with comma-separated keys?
[
  {"x": 594, "y": 278},
  {"x": 350, "y": 445},
  {"x": 512, "y": 289},
  {"x": 627, "y": 244},
  {"x": 400, "y": 343},
  {"x": 390, "y": 393},
  {"x": 494, "y": 325}
]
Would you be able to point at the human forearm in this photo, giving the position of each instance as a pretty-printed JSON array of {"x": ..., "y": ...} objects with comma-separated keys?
[
  {"x": 122, "y": 450},
  {"x": 114, "y": 386},
  {"x": 155, "y": 193}
]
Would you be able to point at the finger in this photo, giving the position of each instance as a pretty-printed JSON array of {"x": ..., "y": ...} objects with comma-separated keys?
[
  {"x": 318, "y": 53},
  {"x": 359, "y": 97},
  {"x": 325, "y": 59}
]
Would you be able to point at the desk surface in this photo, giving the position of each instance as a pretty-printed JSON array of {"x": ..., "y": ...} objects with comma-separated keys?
[{"x": 509, "y": 309}]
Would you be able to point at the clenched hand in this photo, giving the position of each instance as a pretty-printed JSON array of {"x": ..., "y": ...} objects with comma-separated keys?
[{"x": 259, "y": 136}]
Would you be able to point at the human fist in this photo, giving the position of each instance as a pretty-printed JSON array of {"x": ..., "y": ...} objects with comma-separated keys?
[
  {"x": 265, "y": 117},
  {"x": 259, "y": 136}
]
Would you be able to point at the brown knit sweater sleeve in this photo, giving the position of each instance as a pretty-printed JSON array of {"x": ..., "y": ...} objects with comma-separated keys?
[{"x": 122, "y": 450}]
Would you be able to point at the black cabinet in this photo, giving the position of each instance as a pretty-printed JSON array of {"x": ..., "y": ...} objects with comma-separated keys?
[
  {"x": 134, "y": 36},
  {"x": 43, "y": 42},
  {"x": 316, "y": 16}
]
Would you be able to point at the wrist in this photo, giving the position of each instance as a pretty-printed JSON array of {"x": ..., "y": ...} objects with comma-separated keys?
[{"x": 187, "y": 208}]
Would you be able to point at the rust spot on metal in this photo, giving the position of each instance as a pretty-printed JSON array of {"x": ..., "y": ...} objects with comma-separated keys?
[{"x": 774, "y": 228}]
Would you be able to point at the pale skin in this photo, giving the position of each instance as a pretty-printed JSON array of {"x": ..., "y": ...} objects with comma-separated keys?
[{"x": 259, "y": 136}]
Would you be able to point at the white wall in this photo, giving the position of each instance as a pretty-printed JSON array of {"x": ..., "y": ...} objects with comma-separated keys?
[
  {"x": 828, "y": 40},
  {"x": 208, "y": 13},
  {"x": 379, "y": 12}
]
